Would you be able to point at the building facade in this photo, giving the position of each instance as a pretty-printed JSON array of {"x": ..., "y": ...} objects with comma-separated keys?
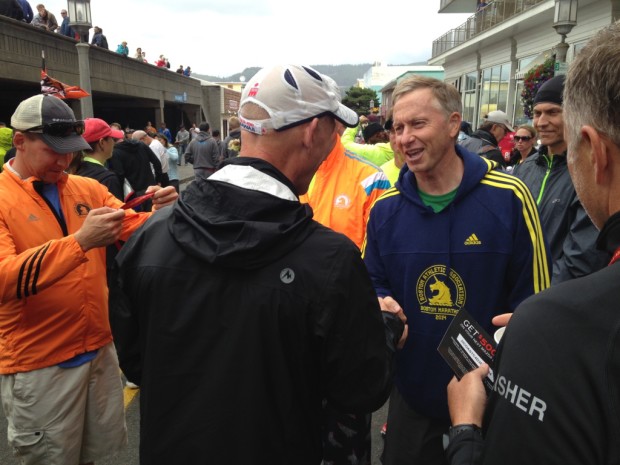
[{"x": 487, "y": 57}]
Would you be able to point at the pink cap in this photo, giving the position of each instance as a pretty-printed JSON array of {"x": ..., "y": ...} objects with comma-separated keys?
[{"x": 95, "y": 129}]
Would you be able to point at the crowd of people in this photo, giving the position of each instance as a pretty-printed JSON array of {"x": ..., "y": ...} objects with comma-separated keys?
[
  {"x": 306, "y": 276},
  {"x": 44, "y": 19}
]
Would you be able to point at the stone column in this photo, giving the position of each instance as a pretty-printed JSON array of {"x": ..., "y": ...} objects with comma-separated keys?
[{"x": 86, "y": 103}]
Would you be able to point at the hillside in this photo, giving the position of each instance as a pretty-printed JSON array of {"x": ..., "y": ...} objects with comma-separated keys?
[{"x": 344, "y": 75}]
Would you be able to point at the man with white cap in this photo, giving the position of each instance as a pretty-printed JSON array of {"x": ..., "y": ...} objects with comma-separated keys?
[
  {"x": 59, "y": 375},
  {"x": 485, "y": 141},
  {"x": 273, "y": 312}
]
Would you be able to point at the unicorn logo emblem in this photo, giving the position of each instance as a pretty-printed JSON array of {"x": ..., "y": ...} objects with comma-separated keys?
[
  {"x": 441, "y": 294},
  {"x": 440, "y": 291}
]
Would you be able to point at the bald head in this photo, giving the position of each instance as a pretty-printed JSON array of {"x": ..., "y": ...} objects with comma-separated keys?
[{"x": 141, "y": 136}]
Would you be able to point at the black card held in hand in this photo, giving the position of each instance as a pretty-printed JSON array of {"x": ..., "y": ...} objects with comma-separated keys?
[{"x": 466, "y": 346}]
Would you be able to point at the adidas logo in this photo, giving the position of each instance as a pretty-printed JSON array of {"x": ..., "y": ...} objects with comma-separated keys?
[
  {"x": 472, "y": 240},
  {"x": 31, "y": 217}
]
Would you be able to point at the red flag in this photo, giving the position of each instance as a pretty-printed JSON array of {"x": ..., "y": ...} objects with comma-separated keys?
[{"x": 51, "y": 86}]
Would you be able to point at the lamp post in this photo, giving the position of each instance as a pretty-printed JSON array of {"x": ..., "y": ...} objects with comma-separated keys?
[
  {"x": 564, "y": 20},
  {"x": 80, "y": 21}
]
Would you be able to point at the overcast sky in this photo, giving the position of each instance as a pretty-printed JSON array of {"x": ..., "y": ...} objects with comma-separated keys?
[{"x": 222, "y": 38}]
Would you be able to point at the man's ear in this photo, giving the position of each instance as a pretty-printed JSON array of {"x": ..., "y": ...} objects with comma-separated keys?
[
  {"x": 599, "y": 147},
  {"x": 454, "y": 124},
  {"x": 18, "y": 140},
  {"x": 310, "y": 132}
]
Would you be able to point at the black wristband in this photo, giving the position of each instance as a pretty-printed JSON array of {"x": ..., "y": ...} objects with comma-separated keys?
[{"x": 466, "y": 428}]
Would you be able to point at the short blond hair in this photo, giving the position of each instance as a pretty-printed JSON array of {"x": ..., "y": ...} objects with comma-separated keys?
[{"x": 446, "y": 94}]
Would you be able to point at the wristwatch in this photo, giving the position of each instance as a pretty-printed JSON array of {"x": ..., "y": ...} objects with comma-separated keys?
[{"x": 470, "y": 429}]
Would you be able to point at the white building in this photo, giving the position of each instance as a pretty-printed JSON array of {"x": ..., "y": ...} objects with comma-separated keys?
[
  {"x": 487, "y": 57},
  {"x": 380, "y": 74}
]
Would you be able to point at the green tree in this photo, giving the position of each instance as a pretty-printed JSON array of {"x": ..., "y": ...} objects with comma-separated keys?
[{"x": 358, "y": 100}]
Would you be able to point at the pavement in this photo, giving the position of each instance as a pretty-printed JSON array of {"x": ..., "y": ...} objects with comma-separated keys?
[{"x": 186, "y": 174}]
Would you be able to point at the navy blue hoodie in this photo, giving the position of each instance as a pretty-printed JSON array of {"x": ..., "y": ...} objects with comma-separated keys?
[{"x": 484, "y": 252}]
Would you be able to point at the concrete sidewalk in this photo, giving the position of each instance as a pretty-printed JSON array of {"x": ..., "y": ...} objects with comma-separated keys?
[{"x": 186, "y": 174}]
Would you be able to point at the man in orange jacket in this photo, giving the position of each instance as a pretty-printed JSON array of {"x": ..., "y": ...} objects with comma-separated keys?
[
  {"x": 59, "y": 375},
  {"x": 343, "y": 190}
]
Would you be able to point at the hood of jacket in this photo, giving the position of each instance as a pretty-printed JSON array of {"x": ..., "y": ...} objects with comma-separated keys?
[
  {"x": 485, "y": 136},
  {"x": 202, "y": 136},
  {"x": 474, "y": 169},
  {"x": 246, "y": 215}
]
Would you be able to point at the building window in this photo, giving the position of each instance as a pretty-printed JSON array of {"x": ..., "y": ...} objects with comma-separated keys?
[
  {"x": 577, "y": 48},
  {"x": 518, "y": 116},
  {"x": 469, "y": 96},
  {"x": 494, "y": 85}
]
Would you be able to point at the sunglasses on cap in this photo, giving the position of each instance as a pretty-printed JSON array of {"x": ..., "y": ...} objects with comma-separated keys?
[
  {"x": 59, "y": 129},
  {"x": 523, "y": 138}
]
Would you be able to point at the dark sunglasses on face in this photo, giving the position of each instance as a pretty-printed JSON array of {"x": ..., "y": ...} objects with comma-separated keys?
[
  {"x": 59, "y": 129},
  {"x": 523, "y": 138}
]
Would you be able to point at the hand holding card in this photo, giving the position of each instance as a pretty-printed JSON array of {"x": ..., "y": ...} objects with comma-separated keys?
[{"x": 466, "y": 346}]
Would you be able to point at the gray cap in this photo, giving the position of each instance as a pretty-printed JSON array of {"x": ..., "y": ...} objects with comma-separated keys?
[{"x": 42, "y": 110}]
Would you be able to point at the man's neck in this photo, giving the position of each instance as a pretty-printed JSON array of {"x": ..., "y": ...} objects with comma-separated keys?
[
  {"x": 444, "y": 178},
  {"x": 556, "y": 149}
]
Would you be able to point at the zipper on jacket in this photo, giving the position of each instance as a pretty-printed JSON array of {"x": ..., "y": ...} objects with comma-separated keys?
[
  {"x": 38, "y": 186},
  {"x": 544, "y": 183}
]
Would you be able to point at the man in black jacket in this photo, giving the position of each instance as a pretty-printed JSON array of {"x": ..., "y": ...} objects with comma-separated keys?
[
  {"x": 12, "y": 9},
  {"x": 556, "y": 397},
  {"x": 568, "y": 230},
  {"x": 136, "y": 163},
  {"x": 258, "y": 311},
  {"x": 485, "y": 140}
]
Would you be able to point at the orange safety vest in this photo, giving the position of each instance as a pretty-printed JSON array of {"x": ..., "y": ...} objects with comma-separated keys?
[{"x": 343, "y": 190}]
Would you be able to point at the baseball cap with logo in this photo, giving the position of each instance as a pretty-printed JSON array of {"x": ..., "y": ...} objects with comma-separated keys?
[
  {"x": 499, "y": 117},
  {"x": 54, "y": 120},
  {"x": 96, "y": 129},
  {"x": 292, "y": 95}
]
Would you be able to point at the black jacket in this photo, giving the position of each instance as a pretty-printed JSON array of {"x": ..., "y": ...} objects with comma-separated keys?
[
  {"x": 136, "y": 162},
  {"x": 484, "y": 143},
  {"x": 259, "y": 312},
  {"x": 106, "y": 177},
  {"x": 12, "y": 9},
  {"x": 557, "y": 391},
  {"x": 569, "y": 232}
]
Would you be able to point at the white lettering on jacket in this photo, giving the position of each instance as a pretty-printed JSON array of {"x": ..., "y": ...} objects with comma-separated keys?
[{"x": 520, "y": 398}]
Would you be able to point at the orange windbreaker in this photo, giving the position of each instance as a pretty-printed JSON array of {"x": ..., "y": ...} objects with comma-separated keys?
[
  {"x": 53, "y": 296},
  {"x": 343, "y": 190}
]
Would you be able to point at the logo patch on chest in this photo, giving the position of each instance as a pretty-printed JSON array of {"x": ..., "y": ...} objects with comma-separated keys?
[{"x": 439, "y": 294}]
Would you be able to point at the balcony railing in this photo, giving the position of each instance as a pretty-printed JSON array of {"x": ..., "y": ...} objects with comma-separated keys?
[{"x": 487, "y": 18}]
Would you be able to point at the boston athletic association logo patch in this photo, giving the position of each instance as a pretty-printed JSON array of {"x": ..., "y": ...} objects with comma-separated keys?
[{"x": 439, "y": 294}]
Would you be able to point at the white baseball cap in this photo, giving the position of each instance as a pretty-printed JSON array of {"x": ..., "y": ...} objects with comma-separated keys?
[
  {"x": 292, "y": 95},
  {"x": 499, "y": 117}
]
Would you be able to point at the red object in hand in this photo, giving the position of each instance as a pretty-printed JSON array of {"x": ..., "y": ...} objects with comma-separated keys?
[{"x": 137, "y": 201}]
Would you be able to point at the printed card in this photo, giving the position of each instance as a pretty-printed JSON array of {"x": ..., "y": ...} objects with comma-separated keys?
[{"x": 466, "y": 345}]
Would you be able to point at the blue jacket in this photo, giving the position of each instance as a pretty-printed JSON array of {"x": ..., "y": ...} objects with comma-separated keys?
[
  {"x": 485, "y": 252},
  {"x": 65, "y": 29}
]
